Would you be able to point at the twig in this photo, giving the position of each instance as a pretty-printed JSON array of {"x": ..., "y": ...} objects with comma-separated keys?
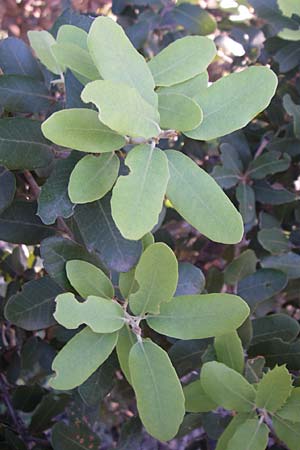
[{"x": 34, "y": 187}]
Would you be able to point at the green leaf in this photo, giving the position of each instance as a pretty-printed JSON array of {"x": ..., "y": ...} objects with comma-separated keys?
[
  {"x": 291, "y": 409},
  {"x": 80, "y": 129},
  {"x": 160, "y": 399},
  {"x": 53, "y": 201},
  {"x": 230, "y": 430},
  {"x": 199, "y": 316},
  {"x": 289, "y": 263},
  {"x": 272, "y": 194},
  {"x": 72, "y": 34},
  {"x": 178, "y": 112},
  {"x": 137, "y": 198},
  {"x": 274, "y": 389},
  {"x": 193, "y": 18},
  {"x": 126, "y": 340},
  {"x": 122, "y": 108},
  {"x": 157, "y": 276},
  {"x": 19, "y": 93},
  {"x": 100, "y": 234},
  {"x": 267, "y": 164},
  {"x": 288, "y": 432},
  {"x": 19, "y": 224},
  {"x": 118, "y": 60},
  {"x": 190, "y": 279},
  {"x": 261, "y": 285},
  {"x": 33, "y": 307},
  {"x": 92, "y": 177},
  {"x": 200, "y": 201},
  {"x": 52, "y": 405},
  {"x": 127, "y": 283},
  {"x": 240, "y": 267},
  {"x": 293, "y": 110},
  {"x": 189, "y": 88},
  {"x": 250, "y": 435},
  {"x": 279, "y": 326},
  {"x": 22, "y": 145},
  {"x": 274, "y": 240},
  {"x": 181, "y": 60},
  {"x": 229, "y": 350},
  {"x": 56, "y": 251},
  {"x": 41, "y": 42},
  {"x": 246, "y": 197},
  {"x": 76, "y": 59},
  {"x": 100, "y": 314},
  {"x": 7, "y": 188},
  {"x": 73, "y": 437},
  {"x": 186, "y": 356},
  {"x": 254, "y": 369},
  {"x": 87, "y": 279},
  {"x": 234, "y": 93},
  {"x": 227, "y": 387},
  {"x": 196, "y": 400},
  {"x": 80, "y": 357}
]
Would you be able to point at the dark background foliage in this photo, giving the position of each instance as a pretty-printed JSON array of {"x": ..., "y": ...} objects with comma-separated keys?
[{"x": 40, "y": 229}]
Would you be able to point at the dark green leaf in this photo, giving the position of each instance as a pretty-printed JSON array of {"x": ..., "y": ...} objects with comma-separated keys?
[
  {"x": 261, "y": 285},
  {"x": 246, "y": 198},
  {"x": 193, "y": 18},
  {"x": 26, "y": 398},
  {"x": 240, "y": 267},
  {"x": 7, "y": 188},
  {"x": 279, "y": 326},
  {"x": 289, "y": 263},
  {"x": 19, "y": 224},
  {"x": 278, "y": 352},
  {"x": 33, "y": 307},
  {"x": 22, "y": 144},
  {"x": 73, "y": 437},
  {"x": 274, "y": 195},
  {"x": 101, "y": 235},
  {"x": 187, "y": 355},
  {"x": 23, "y": 94},
  {"x": 16, "y": 59},
  {"x": 274, "y": 240},
  {"x": 51, "y": 406},
  {"x": 190, "y": 279},
  {"x": 54, "y": 200},
  {"x": 267, "y": 164}
]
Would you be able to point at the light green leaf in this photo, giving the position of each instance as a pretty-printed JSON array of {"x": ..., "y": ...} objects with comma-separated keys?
[
  {"x": 196, "y": 399},
  {"x": 122, "y": 108},
  {"x": 92, "y": 177},
  {"x": 75, "y": 58},
  {"x": 229, "y": 351},
  {"x": 288, "y": 432},
  {"x": 80, "y": 129},
  {"x": 147, "y": 240},
  {"x": 251, "y": 435},
  {"x": 201, "y": 202},
  {"x": 160, "y": 399},
  {"x": 229, "y": 103},
  {"x": 137, "y": 198},
  {"x": 100, "y": 314},
  {"x": 240, "y": 267},
  {"x": 227, "y": 387},
  {"x": 199, "y": 316},
  {"x": 42, "y": 42},
  {"x": 157, "y": 276},
  {"x": 178, "y": 112},
  {"x": 274, "y": 389},
  {"x": 118, "y": 60},
  {"x": 181, "y": 60},
  {"x": 125, "y": 342},
  {"x": 80, "y": 357},
  {"x": 291, "y": 409},
  {"x": 72, "y": 35},
  {"x": 191, "y": 88},
  {"x": 229, "y": 431},
  {"x": 87, "y": 279}
]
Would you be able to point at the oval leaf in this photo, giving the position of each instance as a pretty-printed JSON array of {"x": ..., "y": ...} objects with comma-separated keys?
[
  {"x": 93, "y": 177},
  {"x": 250, "y": 435},
  {"x": 80, "y": 129},
  {"x": 137, "y": 198},
  {"x": 277, "y": 380},
  {"x": 196, "y": 400},
  {"x": 80, "y": 357},
  {"x": 229, "y": 351},
  {"x": 200, "y": 201},
  {"x": 178, "y": 112},
  {"x": 229, "y": 103},
  {"x": 157, "y": 276},
  {"x": 200, "y": 316},
  {"x": 160, "y": 399}
]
